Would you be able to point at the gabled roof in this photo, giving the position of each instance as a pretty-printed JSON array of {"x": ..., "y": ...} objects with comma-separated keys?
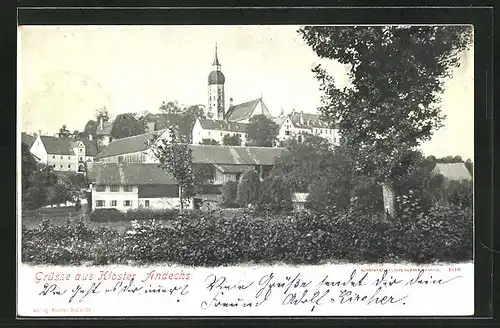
[
  {"x": 223, "y": 125},
  {"x": 235, "y": 155},
  {"x": 128, "y": 145},
  {"x": 306, "y": 120},
  {"x": 279, "y": 120},
  {"x": 233, "y": 168},
  {"x": 106, "y": 128},
  {"x": 243, "y": 111},
  {"x": 64, "y": 146},
  {"x": 128, "y": 174},
  {"x": 453, "y": 171},
  {"x": 239, "y": 155}
]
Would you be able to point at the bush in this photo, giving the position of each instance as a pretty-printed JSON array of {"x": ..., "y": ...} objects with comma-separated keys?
[
  {"x": 229, "y": 192},
  {"x": 107, "y": 215},
  {"x": 276, "y": 194},
  {"x": 198, "y": 239},
  {"x": 248, "y": 188},
  {"x": 143, "y": 214},
  {"x": 460, "y": 193}
]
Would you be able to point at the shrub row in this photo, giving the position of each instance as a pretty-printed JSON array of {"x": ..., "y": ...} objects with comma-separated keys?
[
  {"x": 114, "y": 215},
  {"x": 445, "y": 234}
]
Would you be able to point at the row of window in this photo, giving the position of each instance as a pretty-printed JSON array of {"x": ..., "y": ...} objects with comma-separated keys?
[
  {"x": 114, "y": 203},
  {"x": 69, "y": 157},
  {"x": 222, "y": 134},
  {"x": 114, "y": 188}
]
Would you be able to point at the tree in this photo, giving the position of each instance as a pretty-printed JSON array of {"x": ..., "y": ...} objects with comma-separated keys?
[
  {"x": 229, "y": 191},
  {"x": 28, "y": 166},
  {"x": 90, "y": 128},
  {"x": 176, "y": 158},
  {"x": 127, "y": 125},
  {"x": 470, "y": 166},
  {"x": 203, "y": 174},
  {"x": 397, "y": 74},
  {"x": 276, "y": 194},
  {"x": 64, "y": 132},
  {"x": 209, "y": 141},
  {"x": 450, "y": 159},
  {"x": 229, "y": 140},
  {"x": 248, "y": 188},
  {"x": 41, "y": 188},
  {"x": 261, "y": 131},
  {"x": 102, "y": 114},
  {"x": 303, "y": 162}
]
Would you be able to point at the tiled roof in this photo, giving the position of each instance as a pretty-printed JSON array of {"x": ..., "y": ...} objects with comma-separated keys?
[
  {"x": 239, "y": 155},
  {"x": 158, "y": 190},
  {"x": 106, "y": 128},
  {"x": 223, "y": 125},
  {"x": 128, "y": 145},
  {"x": 128, "y": 174},
  {"x": 235, "y": 155},
  {"x": 64, "y": 146},
  {"x": 243, "y": 111},
  {"x": 233, "y": 168},
  {"x": 453, "y": 171},
  {"x": 308, "y": 120}
]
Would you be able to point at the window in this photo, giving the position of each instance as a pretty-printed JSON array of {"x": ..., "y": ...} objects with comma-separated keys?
[
  {"x": 61, "y": 157},
  {"x": 100, "y": 203},
  {"x": 113, "y": 203},
  {"x": 127, "y": 203},
  {"x": 53, "y": 157},
  {"x": 69, "y": 166},
  {"x": 100, "y": 188},
  {"x": 221, "y": 134},
  {"x": 69, "y": 157},
  {"x": 127, "y": 188},
  {"x": 81, "y": 149},
  {"x": 146, "y": 203},
  {"x": 115, "y": 188},
  {"x": 61, "y": 166},
  {"x": 287, "y": 133},
  {"x": 81, "y": 159},
  {"x": 120, "y": 159},
  {"x": 209, "y": 133}
]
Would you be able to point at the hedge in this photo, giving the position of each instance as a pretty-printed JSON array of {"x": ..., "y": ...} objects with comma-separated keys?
[{"x": 445, "y": 234}]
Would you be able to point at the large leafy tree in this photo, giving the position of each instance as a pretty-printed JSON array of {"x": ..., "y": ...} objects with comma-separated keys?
[
  {"x": 248, "y": 189},
  {"x": 127, "y": 125},
  {"x": 64, "y": 132},
  {"x": 261, "y": 131},
  {"x": 176, "y": 158},
  {"x": 397, "y": 75},
  {"x": 28, "y": 165},
  {"x": 181, "y": 118}
]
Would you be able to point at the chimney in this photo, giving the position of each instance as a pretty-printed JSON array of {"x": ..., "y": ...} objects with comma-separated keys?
[
  {"x": 301, "y": 117},
  {"x": 231, "y": 102}
]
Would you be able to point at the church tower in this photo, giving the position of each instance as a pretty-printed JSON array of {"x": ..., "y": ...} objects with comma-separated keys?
[{"x": 216, "y": 80}]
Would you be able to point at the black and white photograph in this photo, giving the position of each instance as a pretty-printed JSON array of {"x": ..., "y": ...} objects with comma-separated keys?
[{"x": 160, "y": 155}]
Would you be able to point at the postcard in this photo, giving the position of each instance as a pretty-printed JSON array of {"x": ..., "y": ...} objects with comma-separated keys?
[{"x": 227, "y": 171}]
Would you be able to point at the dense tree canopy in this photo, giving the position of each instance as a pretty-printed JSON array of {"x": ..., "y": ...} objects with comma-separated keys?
[
  {"x": 182, "y": 118},
  {"x": 231, "y": 140},
  {"x": 261, "y": 131},
  {"x": 209, "y": 142},
  {"x": 127, "y": 125},
  {"x": 397, "y": 74}
]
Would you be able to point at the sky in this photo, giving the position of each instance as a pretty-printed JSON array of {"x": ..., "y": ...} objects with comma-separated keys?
[{"x": 67, "y": 72}]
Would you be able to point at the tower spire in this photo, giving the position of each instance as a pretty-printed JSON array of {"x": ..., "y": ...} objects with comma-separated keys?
[{"x": 216, "y": 59}]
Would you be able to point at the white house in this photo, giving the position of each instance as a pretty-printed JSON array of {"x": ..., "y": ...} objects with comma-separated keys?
[
  {"x": 64, "y": 154},
  {"x": 128, "y": 186},
  {"x": 295, "y": 124},
  {"x": 216, "y": 130}
]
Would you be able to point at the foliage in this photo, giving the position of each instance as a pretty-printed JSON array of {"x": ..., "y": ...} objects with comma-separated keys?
[
  {"x": 127, "y": 125},
  {"x": 229, "y": 192},
  {"x": 397, "y": 74},
  {"x": 304, "y": 161},
  {"x": 209, "y": 142},
  {"x": 107, "y": 215},
  {"x": 176, "y": 158},
  {"x": 248, "y": 188},
  {"x": 261, "y": 131},
  {"x": 203, "y": 174},
  {"x": 41, "y": 188},
  {"x": 181, "y": 118},
  {"x": 276, "y": 194},
  {"x": 64, "y": 132},
  {"x": 445, "y": 234},
  {"x": 231, "y": 140},
  {"x": 470, "y": 166},
  {"x": 450, "y": 159},
  {"x": 28, "y": 166},
  {"x": 90, "y": 128},
  {"x": 460, "y": 193}
]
